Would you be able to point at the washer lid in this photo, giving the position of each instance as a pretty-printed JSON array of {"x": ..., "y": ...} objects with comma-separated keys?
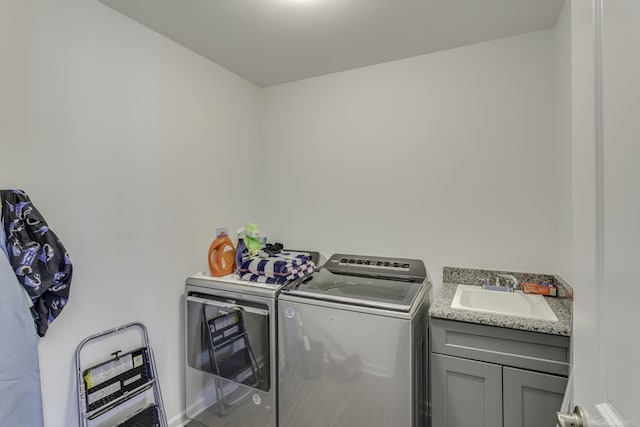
[{"x": 357, "y": 290}]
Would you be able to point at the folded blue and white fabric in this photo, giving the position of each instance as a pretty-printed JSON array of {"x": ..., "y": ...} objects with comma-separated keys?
[
  {"x": 261, "y": 278},
  {"x": 284, "y": 264}
]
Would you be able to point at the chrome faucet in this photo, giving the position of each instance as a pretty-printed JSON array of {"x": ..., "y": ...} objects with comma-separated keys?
[
  {"x": 513, "y": 283},
  {"x": 485, "y": 282}
]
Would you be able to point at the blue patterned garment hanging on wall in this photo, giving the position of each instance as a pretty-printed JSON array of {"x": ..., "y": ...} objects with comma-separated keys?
[{"x": 39, "y": 260}]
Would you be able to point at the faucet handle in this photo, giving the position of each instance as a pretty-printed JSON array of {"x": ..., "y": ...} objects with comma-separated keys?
[
  {"x": 515, "y": 283},
  {"x": 485, "y": 281}
]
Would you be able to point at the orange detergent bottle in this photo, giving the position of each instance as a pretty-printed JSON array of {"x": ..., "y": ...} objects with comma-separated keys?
[{"x": 222, "y": 255}]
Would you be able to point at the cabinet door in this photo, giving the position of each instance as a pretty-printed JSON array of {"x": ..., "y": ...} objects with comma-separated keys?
[
  {"x": 465, "y": 392},
  {"x": 531, "y": 399}
]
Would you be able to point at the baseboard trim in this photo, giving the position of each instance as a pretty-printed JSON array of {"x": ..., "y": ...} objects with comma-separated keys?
[
  {"x": 179, "y": 420},
  {"x": 611, "y": 416}
]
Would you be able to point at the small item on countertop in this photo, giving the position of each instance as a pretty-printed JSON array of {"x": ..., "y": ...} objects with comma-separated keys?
[
  {"x": 539, "y": 289},
  {"x": 253, "y": 240},
  {"x": 496, "y": 288},
  {"x": 270, "y": 250},
  {"x": 242, "y": 252}
]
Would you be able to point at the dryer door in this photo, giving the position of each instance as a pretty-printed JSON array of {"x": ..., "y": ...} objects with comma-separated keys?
[{"x": 229, "y": 362}]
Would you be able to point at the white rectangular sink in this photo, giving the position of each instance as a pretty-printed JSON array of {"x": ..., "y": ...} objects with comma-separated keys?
[{"x": 474, "y": 298}]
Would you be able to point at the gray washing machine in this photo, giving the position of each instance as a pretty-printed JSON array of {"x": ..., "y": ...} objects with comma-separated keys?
[{"x": 352, "y": 341}]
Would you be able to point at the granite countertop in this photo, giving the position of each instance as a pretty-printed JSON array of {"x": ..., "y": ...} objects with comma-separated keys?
[{"x": 441, "y": 308}]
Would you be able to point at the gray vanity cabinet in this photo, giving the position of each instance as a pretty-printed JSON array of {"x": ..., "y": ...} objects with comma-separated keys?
[
  {"x": 495, "y": 377},
  {"x": 531, "y": 399},
  {"x": 469, "y": 392}
]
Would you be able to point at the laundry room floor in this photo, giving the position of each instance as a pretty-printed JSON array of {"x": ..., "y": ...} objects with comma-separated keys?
[
  {"x": 337, "y": 393},
  {"x": 323, "y": 390}
]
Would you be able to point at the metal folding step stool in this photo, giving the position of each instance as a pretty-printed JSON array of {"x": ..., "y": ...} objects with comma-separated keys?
[{"x": 106, "y": 390}]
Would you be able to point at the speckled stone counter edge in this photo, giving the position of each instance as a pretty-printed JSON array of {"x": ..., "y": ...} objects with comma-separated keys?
[
  {"x": 474, "y": 276},
  {"x": 441, "y": 306}
]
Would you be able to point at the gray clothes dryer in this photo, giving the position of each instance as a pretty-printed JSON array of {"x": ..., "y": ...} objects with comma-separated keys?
[
  {"x": 231, "y": 351},
  {"x": 230, "y": 342},
  {"x": 352, "y": 343}
]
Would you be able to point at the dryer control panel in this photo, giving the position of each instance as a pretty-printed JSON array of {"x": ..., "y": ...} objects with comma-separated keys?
[{"x": 411, "y": 270}]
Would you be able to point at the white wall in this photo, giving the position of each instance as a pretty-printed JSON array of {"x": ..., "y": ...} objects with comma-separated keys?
[
  {"x": 621, "y": 240},
  {"x": 604, "y": 205},
  {"x": 576, "y": 239},
  {"x": 582, "y": 272},
  {"x": 449, "y": 157},
  {"x": 564, "y": 200},
  {"x": 134, "y": 149}
]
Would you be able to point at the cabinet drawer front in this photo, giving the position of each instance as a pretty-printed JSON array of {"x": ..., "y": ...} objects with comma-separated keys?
[
  {"x": 465, "y": 392},
  {"x": 531, "y": 399},
  {"x": 510, "y": 347}
]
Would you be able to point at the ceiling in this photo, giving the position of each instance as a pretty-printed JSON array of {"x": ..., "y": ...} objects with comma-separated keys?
[{"x": 276, "y": 41}]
